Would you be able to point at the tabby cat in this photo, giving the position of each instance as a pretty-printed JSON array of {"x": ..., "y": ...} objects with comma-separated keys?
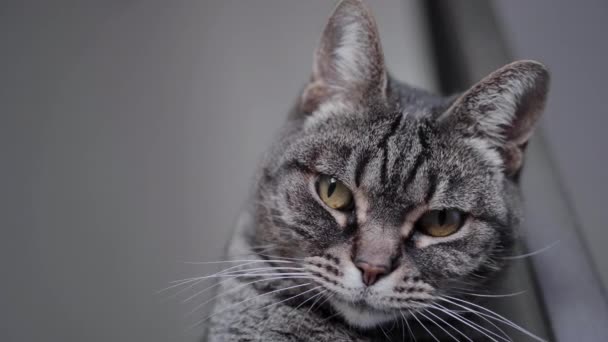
[{"x": 379, "y": 203}]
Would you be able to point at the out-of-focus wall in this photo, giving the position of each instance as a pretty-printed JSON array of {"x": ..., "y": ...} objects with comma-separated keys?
[
  {"x": 570, "y": 37},
  {"x": 129, "y": 133}
]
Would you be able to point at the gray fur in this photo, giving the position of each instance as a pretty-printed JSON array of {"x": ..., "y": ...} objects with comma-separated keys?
[{"x": 401, "y": 151}]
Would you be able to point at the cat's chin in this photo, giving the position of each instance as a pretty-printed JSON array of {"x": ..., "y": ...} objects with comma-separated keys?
[{"x": 361, "y": 315}]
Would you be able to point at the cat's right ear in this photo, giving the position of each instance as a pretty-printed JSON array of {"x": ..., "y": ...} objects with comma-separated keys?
[
  {"x": 502, "y": 109},
  {"x": 348, "y": 64}
]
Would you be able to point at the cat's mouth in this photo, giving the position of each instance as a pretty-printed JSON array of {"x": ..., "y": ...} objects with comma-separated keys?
[{"x": 362, "y": 314}]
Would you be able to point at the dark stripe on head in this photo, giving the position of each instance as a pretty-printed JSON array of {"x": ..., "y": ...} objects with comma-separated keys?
[
  {"x": 302, "y": 232},
  {"x": 382, "y": 145},
  {"x": 393, "y": 129},
  {"x": 280, "y": 223},
  {"x": 432, "y": 187},
  {"x": 424, "y": 142},
  {"x": 420, "y": 158},
  {"x": 364, "y": 159},
  {"x": 383, "y": 166}
]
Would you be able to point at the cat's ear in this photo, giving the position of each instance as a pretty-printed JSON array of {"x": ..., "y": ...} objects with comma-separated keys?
[
  {"x": 348, "y": 64},
  {"x": 503, "y": 109}
]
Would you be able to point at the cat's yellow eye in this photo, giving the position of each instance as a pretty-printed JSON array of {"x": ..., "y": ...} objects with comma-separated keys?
[
  {"x": 334, "y": 193},
  {"x": 440, "y": 223}
]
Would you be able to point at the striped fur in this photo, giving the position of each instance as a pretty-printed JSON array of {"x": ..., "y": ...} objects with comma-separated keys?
[{"x": 401, "y": 151}]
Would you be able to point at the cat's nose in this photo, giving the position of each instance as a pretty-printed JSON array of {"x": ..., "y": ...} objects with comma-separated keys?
[{"x": 371, "y": 273}]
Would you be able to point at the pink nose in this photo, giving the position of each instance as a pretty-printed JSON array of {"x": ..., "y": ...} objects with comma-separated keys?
[{"x": 371, "y": 273}]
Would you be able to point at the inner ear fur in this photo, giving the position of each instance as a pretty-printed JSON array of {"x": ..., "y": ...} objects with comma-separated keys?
[{"x": 503, "y": 109}]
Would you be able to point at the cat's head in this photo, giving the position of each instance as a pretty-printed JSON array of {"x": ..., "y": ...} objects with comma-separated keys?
[{"x": 392, "y": 195}]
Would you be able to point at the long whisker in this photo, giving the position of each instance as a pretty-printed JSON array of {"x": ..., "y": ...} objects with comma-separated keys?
[
  {"x": 492, "y": 295},
  {"x": 289, "y": 313},
  {"x": 330, "y": 317},
  {"x": 290, "y": 298},
  {"x": 212, "y": 286},
  {"x": 237, "y": 288},
  {"x": 180, "y": 283},
  {"x": 327, "y": 299},
  {"x": 244, "y": 301},
  {"x": 522, "y": 256},
  {"x": 504, "y": 336},
  {"x": 247, "y": 262},
  {"x": 318, "y": 298},
  {"x": 438, "y": 325},
  {"x": 222, "y": 273},
  {"x": 254, "y": 270},
  {"x": 466, "y": 322},
  {"x": 280, "y": 257},
  {"x": 423, "y": 326},
  {"x": 408, "y": 326},
  {"x": 401, "y": 326},
  {"x": 234, "y": 261},
  {"x": 206, "y": 289},
  {"x": 449, "y": 325},
  {"x": 496, "y": 317},
  {"x": 249, "y": 275},
  {"x": 384, "y": 332},
  {"x": 495, "y": 326}
]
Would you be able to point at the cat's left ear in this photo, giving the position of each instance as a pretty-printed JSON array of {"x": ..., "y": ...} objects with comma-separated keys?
[
  {"x": 348, "y": 64},
  {"x": 502, "y": 109}
]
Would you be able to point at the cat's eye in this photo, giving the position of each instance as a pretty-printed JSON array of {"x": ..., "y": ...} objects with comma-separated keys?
[
  {"x": 440, "y": 223},
  {"x": 334, "y": 193}
]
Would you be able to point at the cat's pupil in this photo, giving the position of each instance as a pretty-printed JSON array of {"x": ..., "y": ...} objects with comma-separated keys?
[
  {"x": 442, "y": 217},
  {"x": 332, "y": 187}
]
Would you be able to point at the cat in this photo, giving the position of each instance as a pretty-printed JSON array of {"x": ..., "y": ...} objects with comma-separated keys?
[{"x": 378, "y": 201}]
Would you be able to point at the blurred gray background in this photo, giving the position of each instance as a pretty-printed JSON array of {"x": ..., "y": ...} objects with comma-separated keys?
[{"x": 130, "y": 131}]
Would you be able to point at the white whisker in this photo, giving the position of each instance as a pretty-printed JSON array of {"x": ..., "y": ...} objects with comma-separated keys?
[
  {"x": 504, "y": 336},
  {"x": 317, "y": 300},
  {"x": 179, "y": 283},
  {"x": 384, "y": 332},
  {"x": 326, "y": 299},
  {"x": 237, "y": 288},
  {"x": 219, "y": 272},
  {"x": 408, "y": 326},
  {"x": 249, "y": 275},
  {"x": 492, "y": 295},
  {"x": 280, "y": 257},
  {"x": 244, "y": 301},
  {"x": 467, "y": 322},
  {"x": 449, "y": 325},
  {"x": 205, "y": 289},
  {"x": 438, "y": 325},
  {"x": 423, "y": 326},
  {"x": 290, "y": 298},
  {"x": 495, "y": 326},
  {"x": 496, "y": 317},
  {"x": 234, "y": 261},
  {"x": 254, "y": 270},
  {"x": 522, "y": 256}
]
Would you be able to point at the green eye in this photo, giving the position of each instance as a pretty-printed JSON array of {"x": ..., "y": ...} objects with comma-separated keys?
[
  {"x": 334, "y": 193},
  {"x": 440, "y": 223}
]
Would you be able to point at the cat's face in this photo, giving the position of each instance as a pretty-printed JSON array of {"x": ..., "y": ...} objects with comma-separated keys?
[{"x": 391, "y": 196}]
